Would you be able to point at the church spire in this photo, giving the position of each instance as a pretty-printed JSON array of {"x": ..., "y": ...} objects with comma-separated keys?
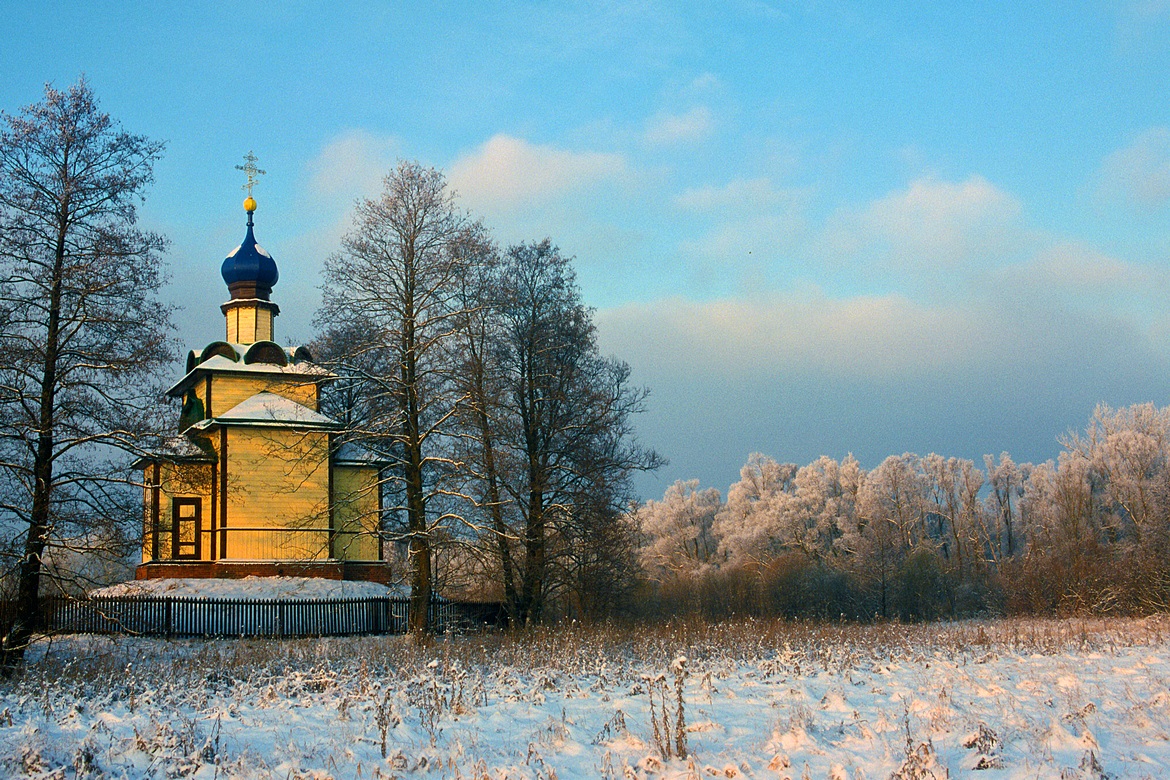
[
  {"x": 249, "y": 167},
  {"x": 250, "y": 273}
]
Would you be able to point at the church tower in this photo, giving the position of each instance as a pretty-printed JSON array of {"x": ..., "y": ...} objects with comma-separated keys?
[
  {"x": 250, "y": 274},
  {"x": 257, "y": 480}
]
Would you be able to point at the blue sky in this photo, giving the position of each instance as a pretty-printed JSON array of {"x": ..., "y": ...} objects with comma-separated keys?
[{"x": 811, "y": 228}]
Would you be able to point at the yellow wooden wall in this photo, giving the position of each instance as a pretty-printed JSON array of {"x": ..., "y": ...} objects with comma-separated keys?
[
  {"x": 278, "y": 491},
  {"x": 355, "y": 496},
  {"x": 176, "y": 480},
  {"x": 248, "y": 324},
  {"x": 278, "y": 479},
  {"x": 227, "y": 390}
]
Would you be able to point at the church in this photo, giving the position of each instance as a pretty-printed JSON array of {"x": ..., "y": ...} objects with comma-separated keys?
[{"x": 256, "y": 481}]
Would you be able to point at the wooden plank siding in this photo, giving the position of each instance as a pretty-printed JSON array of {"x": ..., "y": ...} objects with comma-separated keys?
[
  {"x": 356, "y": 515},
  {"x": 228, "y": 389},
  {"x": 278, "y": 479},
  {"x": 267, "y": 497},
  {"x": 167, "y": 481}
]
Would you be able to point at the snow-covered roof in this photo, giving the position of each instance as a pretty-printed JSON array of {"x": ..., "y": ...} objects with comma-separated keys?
[
  {"x": 177, "y": 448},
  {"x": 270, "y": 408},
  {"x": 350, "y": 454},
  {"x": 220, "y": 364},
  {"x": 239, "y": 352}
]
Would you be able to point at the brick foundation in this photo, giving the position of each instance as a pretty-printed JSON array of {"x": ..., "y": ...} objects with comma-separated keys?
[{"x": 329, "y": 570}]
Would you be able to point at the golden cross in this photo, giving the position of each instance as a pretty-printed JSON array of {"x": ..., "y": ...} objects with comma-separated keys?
[{"x": 252, "y": 171}]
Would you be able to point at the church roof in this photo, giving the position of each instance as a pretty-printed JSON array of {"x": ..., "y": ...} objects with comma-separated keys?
[
  {"x": 178, "y": 449},
  {"x": 266, "y": 408},
  {"x": 218, "y": 363},
  {"x": 248, "y": 270},
  {"x": 350, "y": 454}
]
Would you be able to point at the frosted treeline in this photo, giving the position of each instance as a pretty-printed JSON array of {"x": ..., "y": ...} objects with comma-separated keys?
[{"x": 926, "y": 536}]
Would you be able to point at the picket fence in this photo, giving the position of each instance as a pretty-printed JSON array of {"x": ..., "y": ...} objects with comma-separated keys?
[{"x": 225, "y": 617}]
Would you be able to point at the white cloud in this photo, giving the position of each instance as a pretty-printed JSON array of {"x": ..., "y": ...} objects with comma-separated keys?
[
  {"x": 506, "y": 172},
  {"x": 768, "y": 11},
  {"x": 695, "y": 125},
  {"x": 802, "y": 373},
  {"x": 748, "y": 217},
  {"x": 1074, "y": 266},
  {"x": 931, "y": 225},
  {"x": 738, "y": 196},
  {"x": 1074, "y": 276},
  {"x": 808, "y": 334},
  {"x": 946, "y": 223},
  {"x": 352, "y": 165},
  {"x": 759, "y": 236},
  {"x": 1141, "y": 26},
  {"x": 705, "y": 81},
  {"x": 735, "y": 356},
  {"x": 1139, "y": 174}
]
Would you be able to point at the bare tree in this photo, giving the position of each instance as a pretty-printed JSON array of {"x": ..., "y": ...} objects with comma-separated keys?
[
  {"x": 565, "y": 430},
  {"x": 395, "y": 281},
  {"x": 483, "y": 384},
  {"x": 84, "y": 333}
]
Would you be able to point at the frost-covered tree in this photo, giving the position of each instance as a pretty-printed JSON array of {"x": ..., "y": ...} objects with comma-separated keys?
[
  {"x": 954, "y": 485},
  {"x": 677, "y": 529},
  {"x": 1002, "y": 533},
  {"x": 749, "y": 527},
  {"x": 1098, "y": 533},
  {"x": 893, "y": 505},
  {"x": 823, "y": 504},
  {"x": 1129, "y": 449},
  {"x": 1064, "y": 567}
]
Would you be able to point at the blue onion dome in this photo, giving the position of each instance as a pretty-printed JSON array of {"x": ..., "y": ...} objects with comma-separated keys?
[{"x": 250, "y": 272}]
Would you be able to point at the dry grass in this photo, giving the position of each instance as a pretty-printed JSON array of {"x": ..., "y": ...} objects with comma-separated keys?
[
  {"x": 409, "y": 702},
  {"x": 608, "y": 650}
]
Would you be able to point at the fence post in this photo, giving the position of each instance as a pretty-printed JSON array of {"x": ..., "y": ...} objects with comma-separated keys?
[{"x": 167, "y": 614}]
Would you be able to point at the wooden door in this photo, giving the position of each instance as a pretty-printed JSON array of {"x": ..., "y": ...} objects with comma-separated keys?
[{"x": 187, "y": 528}]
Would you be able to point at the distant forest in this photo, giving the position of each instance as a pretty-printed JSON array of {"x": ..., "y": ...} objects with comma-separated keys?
[{"x": 924, "y": 537}]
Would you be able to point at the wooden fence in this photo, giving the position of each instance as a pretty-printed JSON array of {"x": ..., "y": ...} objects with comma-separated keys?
[{"x": 223, "y": 617}]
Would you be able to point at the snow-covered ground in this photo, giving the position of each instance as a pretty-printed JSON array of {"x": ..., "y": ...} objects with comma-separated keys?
[
  {"x": 253, "y": 588},
  {"x": 1012, "y": 699}
]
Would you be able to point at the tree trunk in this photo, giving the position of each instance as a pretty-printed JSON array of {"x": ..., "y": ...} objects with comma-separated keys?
[
  {"x": 497, "y": 515},
  {"x": 532, "y": 595},
  {"x": 532, "y": 588},
  {"x": 28, "y": 612},
  {"x": 420, "y": 546}
]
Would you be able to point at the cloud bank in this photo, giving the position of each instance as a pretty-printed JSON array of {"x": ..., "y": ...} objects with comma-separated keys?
[
  {"x": 507, "y": 173},
  {"x": 1138, "y": 175}
]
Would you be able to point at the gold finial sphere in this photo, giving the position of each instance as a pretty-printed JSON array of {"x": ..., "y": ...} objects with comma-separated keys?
[{"x": 249, "y": 204}]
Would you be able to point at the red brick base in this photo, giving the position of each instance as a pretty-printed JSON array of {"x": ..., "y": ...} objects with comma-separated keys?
[{"x": 329, "y": 570}]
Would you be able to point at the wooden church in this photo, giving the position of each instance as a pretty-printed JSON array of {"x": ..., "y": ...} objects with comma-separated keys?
[{"x": 255, "y": 482}]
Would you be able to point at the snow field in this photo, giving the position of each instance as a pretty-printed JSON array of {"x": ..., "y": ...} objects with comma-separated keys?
[{"x": 760, "y": 699}]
